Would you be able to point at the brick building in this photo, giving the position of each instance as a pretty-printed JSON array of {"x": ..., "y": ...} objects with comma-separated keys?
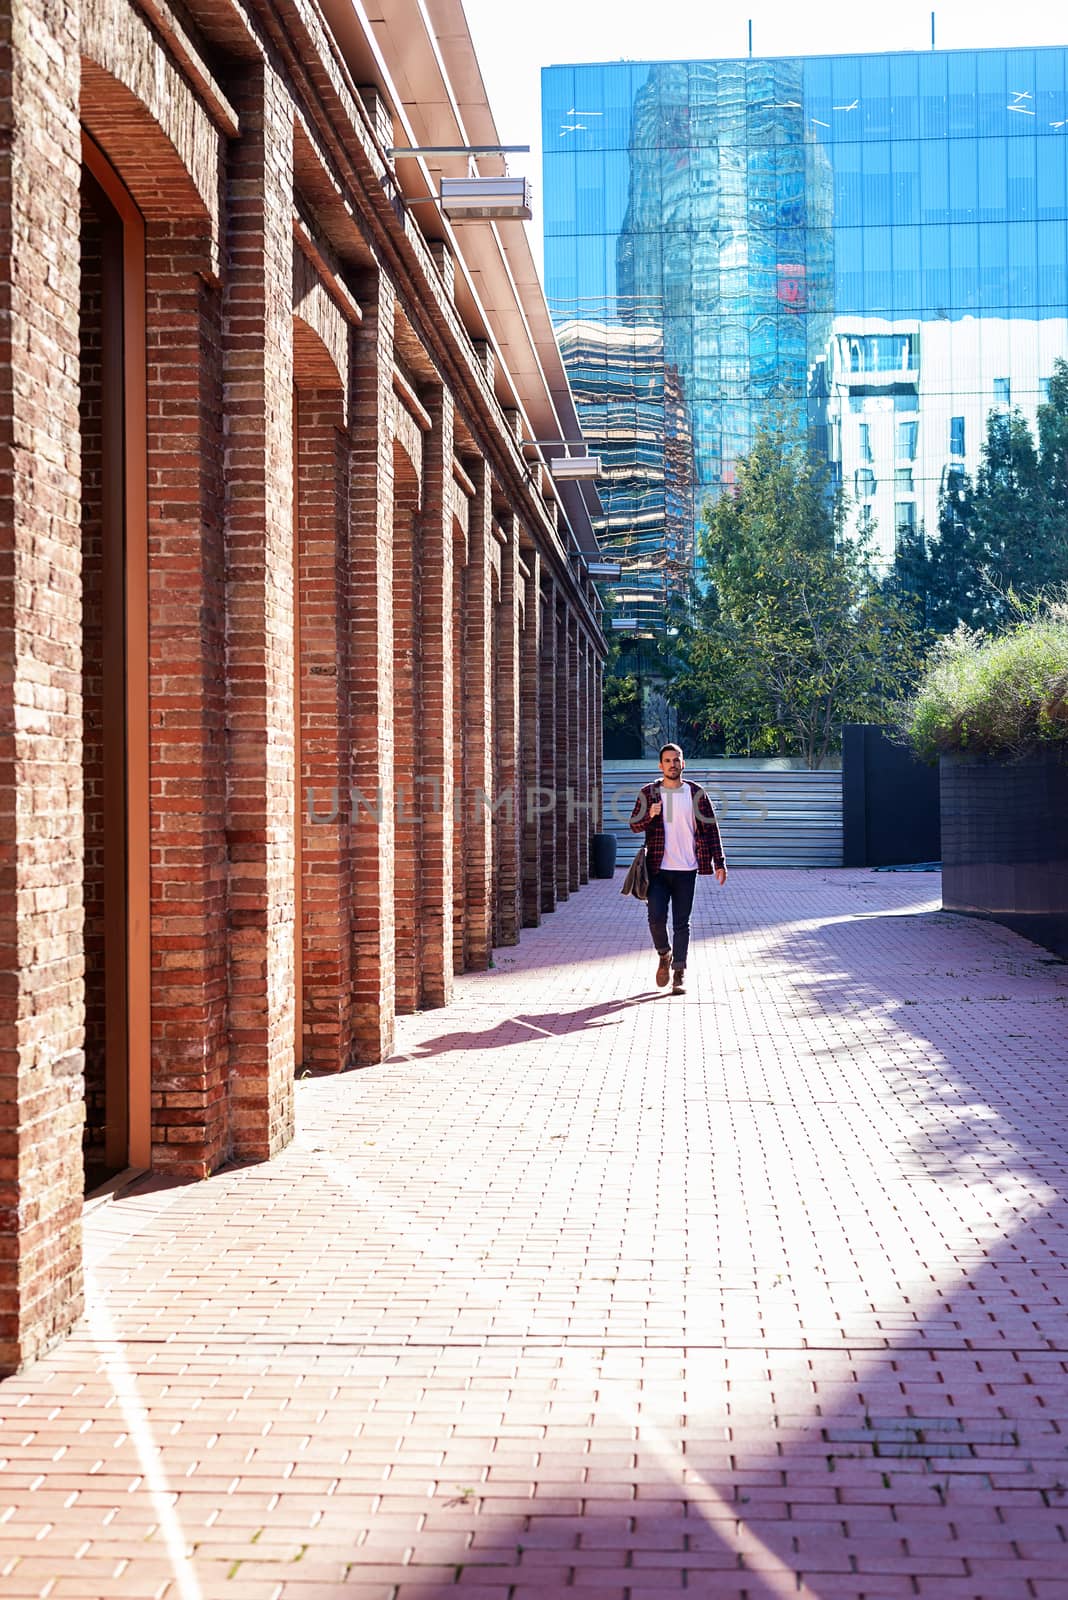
[{"x": 300, "y": 653}]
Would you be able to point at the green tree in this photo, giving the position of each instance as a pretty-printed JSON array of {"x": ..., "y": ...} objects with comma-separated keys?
[
  {"x": 797, "y": 635},
  {"x": 1053, "y": 466},
  {"x": 1008, "y": 511},
  {"x": 1005, "y": 535},
  {"x": 621, "y": 703}
]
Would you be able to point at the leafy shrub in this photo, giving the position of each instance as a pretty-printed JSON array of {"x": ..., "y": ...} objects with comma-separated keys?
[{"x": 1004, "y": 696}]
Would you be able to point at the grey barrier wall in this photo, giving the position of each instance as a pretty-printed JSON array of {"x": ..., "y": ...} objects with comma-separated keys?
[
  {"x": 767, "y": 817},
  {"x": 890, "y": 801}
]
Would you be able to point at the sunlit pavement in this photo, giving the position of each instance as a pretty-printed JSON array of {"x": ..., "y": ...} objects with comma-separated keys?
[{"x": 757, "y": 1291}]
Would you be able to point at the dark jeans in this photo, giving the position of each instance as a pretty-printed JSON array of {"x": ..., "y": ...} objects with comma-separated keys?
[{"x": 674, "y": 889}]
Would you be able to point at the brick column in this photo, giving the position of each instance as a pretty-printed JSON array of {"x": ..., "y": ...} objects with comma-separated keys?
[
  {"x": 548, "y": 693},
  {"x": 530, "y": 741},
  {"x": 435, "y": 787},
  {"x": 323, "y": 707},
  {"x": 187, "y": 708},
  {"x": 586, "y": 819},
  {"x": 459, "y": 754},
  {"x": 479, "y": 778},
  {"x": 371, "y": 682},
  {"x": 597, "y": 725},
  {"x": 564, "y": 779},
  {"x": 576, "y": 817},
  {"x": 407, "y": 734},
  {"x": 507, "y": 820},
  {"x": 258, "y": 400},
  {"x": 41, "y": 993}
]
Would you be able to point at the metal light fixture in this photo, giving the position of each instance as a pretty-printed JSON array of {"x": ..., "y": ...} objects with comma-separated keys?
[
  {"x": 572, "y": 467},
  {"x": 486, "y": 199},
  {"x": 604, "y": 569},
  {"x": 399, "y": 151},
  {"x": 624, "y": 622}
]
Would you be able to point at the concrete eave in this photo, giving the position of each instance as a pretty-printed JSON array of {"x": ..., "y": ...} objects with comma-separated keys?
[{"x": 437, "y": 96}]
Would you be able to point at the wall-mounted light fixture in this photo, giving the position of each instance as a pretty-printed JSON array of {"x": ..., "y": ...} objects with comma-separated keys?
[
  {"x": 604, "y": 569},
  {"x": 474, "y": 198},
  {"x": 572, "y": 467},
  {"x": 486, "y": 199},
  {"x": 624, "y": 622}
]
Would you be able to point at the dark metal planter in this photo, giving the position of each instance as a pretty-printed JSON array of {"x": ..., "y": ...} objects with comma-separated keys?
[
  {"x": 889, "y": 801},
  {"x": 602, "y": 855},
  {"x": 1005, "y": 843}
]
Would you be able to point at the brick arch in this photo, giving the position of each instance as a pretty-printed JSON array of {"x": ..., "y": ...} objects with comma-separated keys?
[
  {"x": 314, "y": 366},
  {"x": 177, "y": 410},
  {"x": 407, "y": 448},
  {"x": 148, "y": 161}
]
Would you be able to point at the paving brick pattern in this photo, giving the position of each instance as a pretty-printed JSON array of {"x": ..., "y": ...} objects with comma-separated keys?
[{"x": 750, "y": 1293}]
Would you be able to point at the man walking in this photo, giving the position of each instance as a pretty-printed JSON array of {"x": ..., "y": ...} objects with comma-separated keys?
[{"x": 681, "y": 840}]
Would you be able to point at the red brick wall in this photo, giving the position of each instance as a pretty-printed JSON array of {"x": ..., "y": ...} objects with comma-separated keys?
[
  {"x": 507, "y": 820},
  {"x": 364, "y": 633},
  {"x": 434, "y": 797},
  {"x": 478, "y": 726},
  {"x": 41, "y": 991},
  {"x": 551, "y": 689},
  {"x": 324, "y": 690},
  {"x": 562, "y": 777},
  {"x": 460, "y": 744},
  {"x": 398, "y": 776},
  {"x": 187, "y": 705},
  {"x": 530, "y": 724},
  {"x": 371, "y": 635},
  {"x": 258, "y": 476},
  {"x": 580, "y": 858}
]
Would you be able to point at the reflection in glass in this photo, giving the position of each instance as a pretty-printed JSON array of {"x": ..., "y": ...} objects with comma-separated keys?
[{"x": 873, "y": 248}]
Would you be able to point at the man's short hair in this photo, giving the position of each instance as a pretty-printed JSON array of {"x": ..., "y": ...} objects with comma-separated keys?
[{"x": 664, "y": 747}]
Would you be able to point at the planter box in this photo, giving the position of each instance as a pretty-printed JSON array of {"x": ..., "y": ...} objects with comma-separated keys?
[
  {"x": 889, "y": 801},
  {"x": 1005, "y": 843}
]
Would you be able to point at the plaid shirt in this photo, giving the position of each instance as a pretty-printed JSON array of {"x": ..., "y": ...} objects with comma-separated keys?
[{"x": 706, "y": 838}]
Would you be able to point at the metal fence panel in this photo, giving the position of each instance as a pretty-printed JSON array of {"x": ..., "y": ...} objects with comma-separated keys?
[{"x": 767, "y": 818}]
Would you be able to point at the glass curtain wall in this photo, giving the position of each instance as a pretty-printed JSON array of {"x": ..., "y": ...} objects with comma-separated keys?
[{"x": 871, "y": 247}]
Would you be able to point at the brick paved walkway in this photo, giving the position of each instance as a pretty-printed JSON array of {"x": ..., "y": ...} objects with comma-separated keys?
[{"x": 754, "y": 1292}]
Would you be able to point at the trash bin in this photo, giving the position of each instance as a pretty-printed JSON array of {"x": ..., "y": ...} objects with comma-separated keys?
[{"x": 602, "y": 855}]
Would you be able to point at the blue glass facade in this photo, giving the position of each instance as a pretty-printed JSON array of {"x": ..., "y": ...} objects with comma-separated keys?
[{"x": 876, "y": 246}]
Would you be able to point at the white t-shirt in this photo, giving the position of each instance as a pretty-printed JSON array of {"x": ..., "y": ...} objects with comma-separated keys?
[{"x": 679, "y": 852}]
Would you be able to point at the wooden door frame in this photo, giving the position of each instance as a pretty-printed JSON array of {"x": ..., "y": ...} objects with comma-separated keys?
[{"x": 129, "y": 1072}]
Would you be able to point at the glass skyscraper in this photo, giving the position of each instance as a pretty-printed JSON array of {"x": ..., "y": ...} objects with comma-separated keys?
[{"x": 873, "y": 247}]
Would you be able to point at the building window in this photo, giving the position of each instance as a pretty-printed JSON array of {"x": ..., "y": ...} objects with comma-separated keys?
[
  {"x": 865, "y": 442},
  {"x": 856, "y": 402},
  {"x": 956, "y": 436},
  {"x": 905, "y": 517},
  {"x": 881, "y": 352},
  {"x": 903, "y": 479},
  {"x": 907, "y": 433},
  {"x": 1043, "y": 387},
  {"x": 1002, "y": 391},
  {"x": 864, "y": 483},
  {"x": 910, "y": 401}
]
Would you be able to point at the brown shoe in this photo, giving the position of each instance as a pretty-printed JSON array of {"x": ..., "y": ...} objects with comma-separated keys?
[
  {"x": 663, "y": 971},
  {"x": 679, "y": 983}
]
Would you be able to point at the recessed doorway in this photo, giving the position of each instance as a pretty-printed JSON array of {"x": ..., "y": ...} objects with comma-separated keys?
[{"x": 114, "y": 678}]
